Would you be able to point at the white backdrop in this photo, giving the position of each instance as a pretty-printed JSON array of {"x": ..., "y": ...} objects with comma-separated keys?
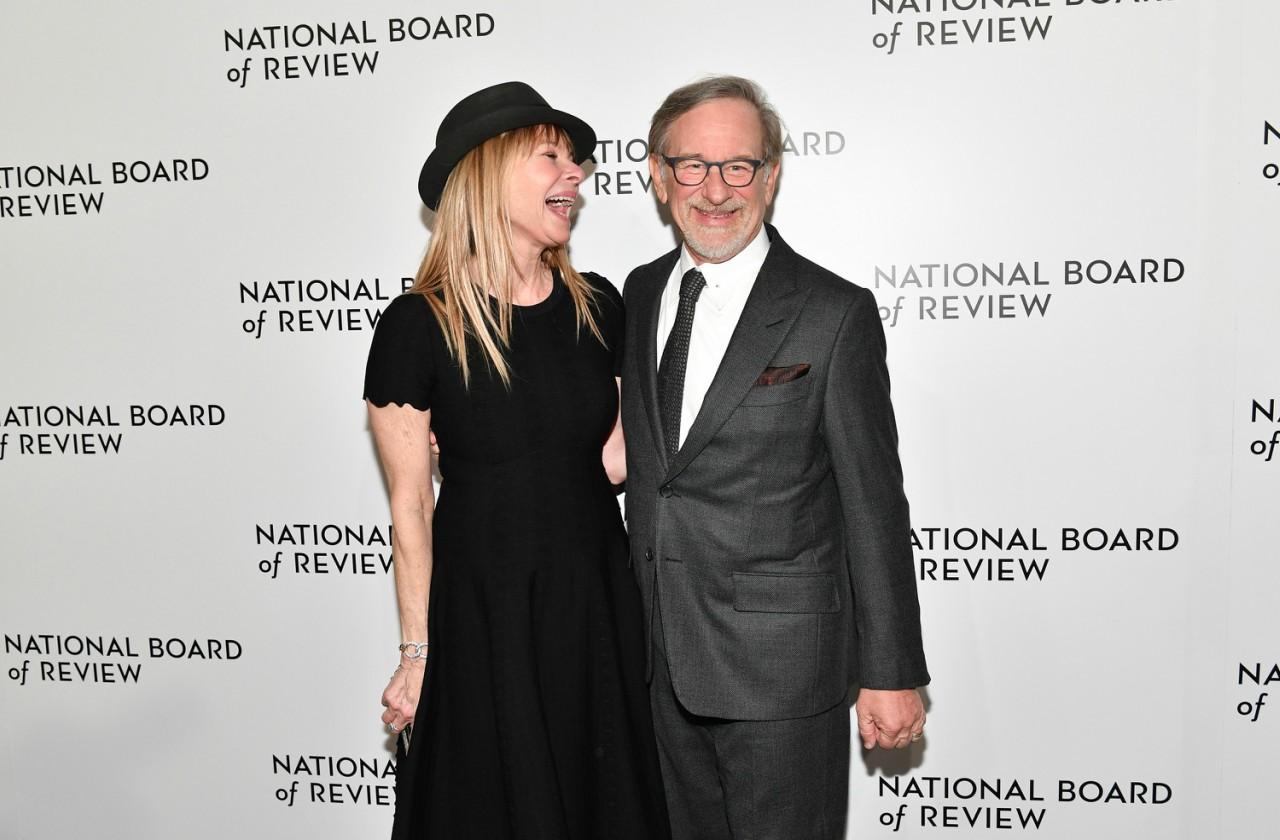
[{"x": 196, "y": 604}]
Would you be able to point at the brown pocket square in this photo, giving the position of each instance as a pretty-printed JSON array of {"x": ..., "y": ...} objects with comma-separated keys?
[{"x": 778, "y": 375}]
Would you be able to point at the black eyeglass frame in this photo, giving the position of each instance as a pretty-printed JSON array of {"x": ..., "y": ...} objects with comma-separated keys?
[{"x": 672, "y": 161}]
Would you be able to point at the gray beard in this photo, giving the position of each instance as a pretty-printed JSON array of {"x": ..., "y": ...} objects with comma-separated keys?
[{"x": 715, "y": 253}]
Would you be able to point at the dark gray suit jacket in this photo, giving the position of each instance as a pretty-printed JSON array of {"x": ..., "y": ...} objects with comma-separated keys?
[{"x": 777, "y": 539}]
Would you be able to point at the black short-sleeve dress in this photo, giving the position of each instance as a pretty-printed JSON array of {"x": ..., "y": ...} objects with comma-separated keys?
[{"x": 534, "y": 715}]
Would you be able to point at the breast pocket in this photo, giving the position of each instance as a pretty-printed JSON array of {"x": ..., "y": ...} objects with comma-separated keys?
[{"x": 797, "y": 389}]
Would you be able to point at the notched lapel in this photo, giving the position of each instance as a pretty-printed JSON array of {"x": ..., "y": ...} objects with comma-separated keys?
[
  {"x": 775, "y": 301},
  {"x": 647, "y": 345}
]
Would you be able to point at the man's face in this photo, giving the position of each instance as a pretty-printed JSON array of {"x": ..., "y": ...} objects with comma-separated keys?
[{"x": 717, "y": 220}]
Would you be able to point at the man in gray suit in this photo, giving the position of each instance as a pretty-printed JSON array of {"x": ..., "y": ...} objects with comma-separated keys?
[{"x": 769, "y": 529}]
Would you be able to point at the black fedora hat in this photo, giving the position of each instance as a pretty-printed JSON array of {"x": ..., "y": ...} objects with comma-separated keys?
[{"x": 487, "y": 113}]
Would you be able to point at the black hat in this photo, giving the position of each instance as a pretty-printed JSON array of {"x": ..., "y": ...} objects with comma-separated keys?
[{"x": 487, "y": 113}]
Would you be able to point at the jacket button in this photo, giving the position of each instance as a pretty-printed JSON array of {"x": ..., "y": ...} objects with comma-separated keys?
[
  {"x": 665, "y": 491},
  {"x": 648, "y": 554}
]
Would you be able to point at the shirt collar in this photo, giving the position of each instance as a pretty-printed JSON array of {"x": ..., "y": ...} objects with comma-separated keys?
[{"x": 733, "y": 277}]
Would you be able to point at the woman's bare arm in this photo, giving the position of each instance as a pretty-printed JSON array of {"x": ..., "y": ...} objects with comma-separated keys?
[{"x": 402, "y": 434}]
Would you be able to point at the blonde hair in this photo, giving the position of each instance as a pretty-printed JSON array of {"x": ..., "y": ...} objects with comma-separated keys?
[{"x": 469, "y": 257}]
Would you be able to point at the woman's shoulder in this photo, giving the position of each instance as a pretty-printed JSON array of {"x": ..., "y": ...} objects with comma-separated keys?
[
  {"x": 603, "y": 288},
  {"x": 408, "y": 312},
  {"x": 406, "y": 328},
  {"x": 399, "y": 368},
  {"x": 408, "y": 305}
]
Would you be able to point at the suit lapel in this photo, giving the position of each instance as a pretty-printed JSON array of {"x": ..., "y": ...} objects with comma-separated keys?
[
  {"x": 772, "y": 306},
  {"x": 647, "y": 346}
]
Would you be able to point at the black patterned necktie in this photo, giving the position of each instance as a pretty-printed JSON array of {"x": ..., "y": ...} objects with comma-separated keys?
[{"x": 675, "y": 357}]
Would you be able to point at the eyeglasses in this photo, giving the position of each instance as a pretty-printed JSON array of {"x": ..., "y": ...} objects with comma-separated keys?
[{"x": 692, "y": 171}]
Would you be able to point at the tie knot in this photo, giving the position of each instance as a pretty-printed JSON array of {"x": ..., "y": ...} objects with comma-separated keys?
[{"x": 692, "y": 284}]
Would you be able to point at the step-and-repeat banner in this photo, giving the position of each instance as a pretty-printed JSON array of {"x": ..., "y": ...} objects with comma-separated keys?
[{"x": 1066, "y": 209}]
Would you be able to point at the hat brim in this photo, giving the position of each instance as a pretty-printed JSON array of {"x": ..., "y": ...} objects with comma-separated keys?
[{"x": 442, "y": 160}]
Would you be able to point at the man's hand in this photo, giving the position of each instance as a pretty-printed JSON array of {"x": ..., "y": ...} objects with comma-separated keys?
[{"x": 891, "y": 719}]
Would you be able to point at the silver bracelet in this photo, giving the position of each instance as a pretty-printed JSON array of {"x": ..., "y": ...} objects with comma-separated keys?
[{"x": 419, "y": 650}]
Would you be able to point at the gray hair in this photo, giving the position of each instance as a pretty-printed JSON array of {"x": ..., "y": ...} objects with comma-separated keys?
[{"x": 684, "y": 99}]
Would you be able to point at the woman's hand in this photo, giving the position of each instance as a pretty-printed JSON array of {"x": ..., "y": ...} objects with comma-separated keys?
[{"x": 401, "y": 695}]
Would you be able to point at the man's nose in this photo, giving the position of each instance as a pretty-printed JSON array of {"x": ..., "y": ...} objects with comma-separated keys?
[{"x": 714, "y": 187}]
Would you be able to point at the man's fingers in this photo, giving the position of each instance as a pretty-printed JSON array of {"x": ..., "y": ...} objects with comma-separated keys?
[
  {"x": 894, "y": 733},
  {"x": 867, "y": 729},
  {"x": 891, "y": 738},
  {"x": 888, "y": 740}
]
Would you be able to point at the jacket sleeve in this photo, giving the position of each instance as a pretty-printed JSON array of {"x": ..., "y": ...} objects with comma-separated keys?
[{"x": 861, "y": 435}]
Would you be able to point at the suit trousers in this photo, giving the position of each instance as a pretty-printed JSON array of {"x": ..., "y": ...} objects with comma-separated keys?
[{"x": 749, "y": 780}]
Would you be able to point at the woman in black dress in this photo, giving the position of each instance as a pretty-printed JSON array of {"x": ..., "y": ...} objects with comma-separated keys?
[{"x": 530, "y": 715}]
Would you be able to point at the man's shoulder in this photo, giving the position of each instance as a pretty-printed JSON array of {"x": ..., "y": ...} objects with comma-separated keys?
[
  {"x": 651, "y": 273},
  {"x": 829, "y": 287}
]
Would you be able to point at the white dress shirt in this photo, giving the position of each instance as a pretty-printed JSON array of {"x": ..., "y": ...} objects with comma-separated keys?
[{"x": 719, "y": 307}]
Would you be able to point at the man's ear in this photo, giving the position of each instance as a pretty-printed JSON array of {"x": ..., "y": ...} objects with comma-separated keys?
[
  {"x": 655, "y": 173},
  {"x": 771, "y": 181}
]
